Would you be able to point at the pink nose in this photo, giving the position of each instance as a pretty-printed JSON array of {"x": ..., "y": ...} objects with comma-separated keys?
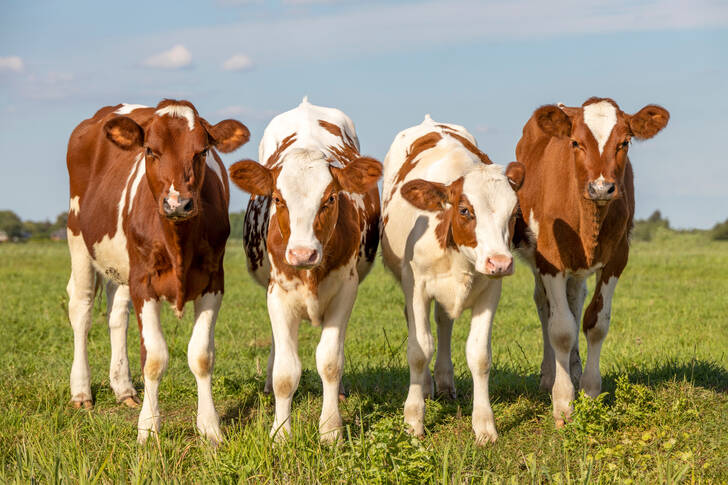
[
  {"x": 499, "y": 265},
  {"x": 303, "y": 257}
]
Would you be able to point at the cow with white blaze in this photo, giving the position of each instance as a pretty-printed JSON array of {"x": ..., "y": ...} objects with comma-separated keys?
[
  {"x": 311, "y": 233},
  {"x": 448, "y": 216},
  {"x": 149, "y": 214},
  {"x": 577, "y": 206}
]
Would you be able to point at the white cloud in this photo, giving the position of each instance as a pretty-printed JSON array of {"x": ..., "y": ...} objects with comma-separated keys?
[
  {"x": 238, "y": 62},
  {"x": 11, "y": 63},
  {"x": 175, "y": 58}
]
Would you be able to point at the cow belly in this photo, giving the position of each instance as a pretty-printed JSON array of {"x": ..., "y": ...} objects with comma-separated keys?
[{"x": 111, "y": 258}]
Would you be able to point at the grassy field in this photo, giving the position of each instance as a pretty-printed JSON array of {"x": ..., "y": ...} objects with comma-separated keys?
[{"x": 664, "y": 417}]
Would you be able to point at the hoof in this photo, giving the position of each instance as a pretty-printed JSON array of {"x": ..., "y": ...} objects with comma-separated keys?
[
  {"x": 483, "y": 439},
  {"x": 132, "y": 402},
  {"x": 342, "y": 396},
  {"x": 85, "y": 404},
  {"x": 447, "y": 395},
  {"x": 561, "y": 423}
]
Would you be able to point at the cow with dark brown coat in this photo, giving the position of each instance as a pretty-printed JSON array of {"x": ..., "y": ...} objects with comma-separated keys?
[
  {"x": 577, "y": 206},
  {"x": 149, "y": 214}
]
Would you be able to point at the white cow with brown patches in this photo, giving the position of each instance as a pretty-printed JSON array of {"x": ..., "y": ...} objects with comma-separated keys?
[
  {"x": 448, "y": 218},
  {"x": 311, "y": 234}
]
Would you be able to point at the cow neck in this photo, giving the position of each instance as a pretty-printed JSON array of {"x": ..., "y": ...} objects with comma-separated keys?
[{"x": 179, "y": 239}]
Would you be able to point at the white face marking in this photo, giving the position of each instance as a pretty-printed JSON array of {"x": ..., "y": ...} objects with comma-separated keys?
[
  {"x": 600, "y": 118},
  {"x": 173, "y": 198},
  {"x": 533, "y": 225},
  {"x": 302, "y": 181},
  {"x": 493, "y": 201},
  {"x": 128, "y": 108},
  {"x": 73, "y": 205},
  {"x": 179, "y": 111}
]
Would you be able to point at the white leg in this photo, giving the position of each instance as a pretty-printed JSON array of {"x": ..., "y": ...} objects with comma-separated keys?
[
  {"x": 575, "y": 295},
  {"x": 562, "y": 334},
  {"x": 479, "y": 358},
  {"x": 156, "y": 364},
  {"x": 420, "y": 347},
  {"x": 286, "y": 365},
  {"x": 81, "y": 287},
  {"x": 268, "y": 388},
  {"x": 201, "y": 359},
  {"x": 330, "y": 358},
  {"x": 548, "y": 363},
  {"x": 601, "y": 304},
  {"x": 117, "y": 303},
  {"x": 444, "y": 373}
]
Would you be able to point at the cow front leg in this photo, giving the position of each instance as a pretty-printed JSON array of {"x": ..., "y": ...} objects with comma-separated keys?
[
  {"x": 81, "y": 288},
  {"x": 268, "y": 387},
  {"x": 286, "y": 364},
  {"x": 575, "y": 295},
  {"x": 596, "y": 326},
  {"x": 420, "y": 347},
  {"x": 117, "y": 303},
  {"x": 478, "y": 352},
  {"x": 154, "y": 367},
  {"x": 444, "y": 373},
  {"x": 562, "y": 335},
  {"x": 548, "y": 363},
  {"x": 330, "y": 358},
  {"x": 201, "y": 360}
]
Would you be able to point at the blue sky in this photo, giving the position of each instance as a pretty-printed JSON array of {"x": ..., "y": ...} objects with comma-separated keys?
[{"x": 485, "y": 65}]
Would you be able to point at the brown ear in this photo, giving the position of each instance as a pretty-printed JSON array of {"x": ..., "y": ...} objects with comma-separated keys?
[
  {"x": 553, "y": 121},
  {"x": 228, "y": 135},
  {"x": 648, "y": 121},
  {"x": 359, "y": 176},
  {"x": 516, "y": 172},
  {"x": 252, "y": 177},
  {"x": 124, "y": 133},
  {"x": 425, "y": 195}
]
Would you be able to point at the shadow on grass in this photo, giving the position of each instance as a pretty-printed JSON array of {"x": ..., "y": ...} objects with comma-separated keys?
[{"x": 709, "y": 375}]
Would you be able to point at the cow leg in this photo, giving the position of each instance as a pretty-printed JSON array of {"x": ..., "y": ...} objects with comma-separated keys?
[
  {"x": 444, "y": 374},
  {"x": 420, "y": 347},
  {"x": 562, "y": 332},
  {"x": 596, "y": 326},
  {"x": 268, "y": 388},
  {"x": 201, "y": 360},
  {"x": 330, "y": 358},
  {"x": 117, "y": 302},
  {"x": 81, "y": 288},
  {"x": 479, "y": 358},
  {"x": 286, "y": 364},
  {"x": 575, "y": 294},
  {"x": 156, "y": 363},
  {"x": 548, "y": 363}
]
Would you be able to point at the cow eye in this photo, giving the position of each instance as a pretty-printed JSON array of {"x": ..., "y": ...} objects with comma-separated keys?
[
  {"x": 276, "y": 200},
  {"x": 624, "y": 145},
  {"x": 332, "y": 199},
  {"x": 464, "y": 211},
  {"x": 149, "y": 152},
  {"x": 574, "y": 144}
]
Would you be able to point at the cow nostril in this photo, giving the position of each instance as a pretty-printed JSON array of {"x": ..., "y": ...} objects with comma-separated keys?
[
  {"x": 611, "y": 189},
  {"x": 188, "y": 206}
]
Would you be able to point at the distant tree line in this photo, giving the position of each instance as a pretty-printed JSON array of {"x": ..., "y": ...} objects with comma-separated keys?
[{"x": 17, "y": 229}]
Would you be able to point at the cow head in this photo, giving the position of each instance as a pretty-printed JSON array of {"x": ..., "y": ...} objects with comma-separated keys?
[
  {"x": 176, "y": 142},
  {"x": 305, "y": 190},
  {"x": 477, "y": 213},
  {"x": 599, "y": 135}
]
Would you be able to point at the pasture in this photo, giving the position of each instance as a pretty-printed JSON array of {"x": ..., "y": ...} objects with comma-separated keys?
[{"x": 664, "y": 365}]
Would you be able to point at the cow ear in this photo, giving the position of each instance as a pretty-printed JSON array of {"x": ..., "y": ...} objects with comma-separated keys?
[
  {"x": 516, "y": 172},
  {"x": 228, "y": 135},
  {"x": 553, "y": 121},
  {"x": 648, "y": 121},
  {"x": 124, "y": 133},
  {"x": 360, "y": 176},
  {"x": 252, "y": 177},
  {"x": 425, "y": 195}
]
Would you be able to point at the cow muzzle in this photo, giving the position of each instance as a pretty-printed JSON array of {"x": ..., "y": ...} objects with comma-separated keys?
[
  {"x": 601, "y": 190},
  {"x": 178, "y": 208},
  {"x": 499, "y": 265},
  {"x": 303, "y": 258}
]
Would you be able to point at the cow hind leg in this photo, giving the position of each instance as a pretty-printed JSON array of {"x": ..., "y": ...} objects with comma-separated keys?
[
  {"x": 268, "y": 388},
  {"x": 154, "y": 367},
  {"x": 81, "y": 289},
  {"x": 117, "y": 302},
  {"x": 596, "y": 326},
  {"x": 201, "y": 360},
  {"x": 575, "y": 294},
  {"x": 444, "y": 373},
  {"x": 548, "y": 363},
  {"x": 420, "y": 347}
]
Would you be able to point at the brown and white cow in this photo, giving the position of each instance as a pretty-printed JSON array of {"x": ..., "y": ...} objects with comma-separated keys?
[
  {"x": 311, "y": 234},
  {"x": 577, "y": 205},
  {"x": 448, "y": 220},
  {"x": 149, "y": 213}
]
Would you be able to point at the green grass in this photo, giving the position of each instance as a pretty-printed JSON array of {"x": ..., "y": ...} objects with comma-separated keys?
[{"x": 664, "y": 419}]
